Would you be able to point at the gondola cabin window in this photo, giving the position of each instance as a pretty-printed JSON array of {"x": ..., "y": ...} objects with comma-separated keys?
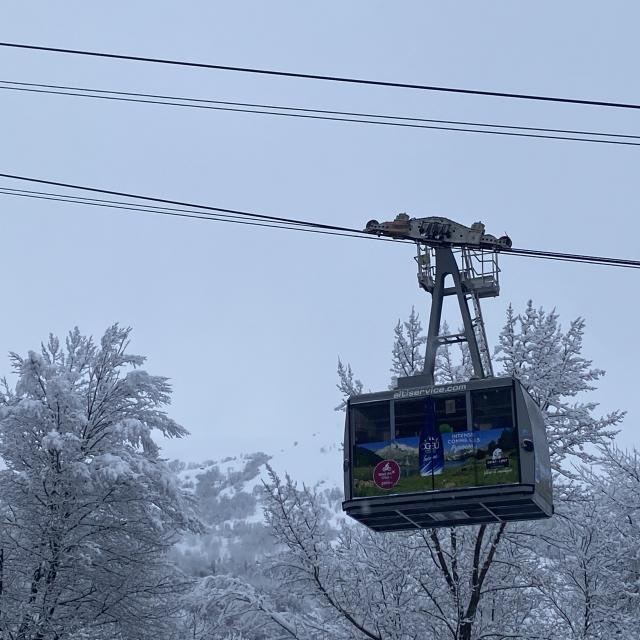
[
  {"x": 496, "y": 437},
  {"x": 434, "y": 443}
]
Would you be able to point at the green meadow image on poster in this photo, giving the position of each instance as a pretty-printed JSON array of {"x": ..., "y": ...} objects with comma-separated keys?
[{"x": 471, "y": 458}]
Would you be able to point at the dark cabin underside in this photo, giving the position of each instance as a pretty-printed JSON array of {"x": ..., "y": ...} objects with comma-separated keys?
[{"x": 398, "y": 513}]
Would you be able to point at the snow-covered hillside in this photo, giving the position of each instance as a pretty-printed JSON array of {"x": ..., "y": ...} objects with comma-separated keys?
[{"x": 228, "y": 494}]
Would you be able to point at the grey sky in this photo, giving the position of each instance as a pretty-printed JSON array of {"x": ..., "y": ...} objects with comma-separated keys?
[{"x": 249, "y": 322}]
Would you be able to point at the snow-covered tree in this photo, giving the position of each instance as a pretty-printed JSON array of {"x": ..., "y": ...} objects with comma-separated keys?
[
  {"x": 407, "y": 358},
  {"x": 463, "y": 583},
  {"x": 256, "y": 606},
  {"x": 457, "y": 583},
  {"x": 347, "y": 384},
  {"x": 452, "y": 365},
  {"x": 587, "y": 559},
  {"x": 227, "y": 495},
  {"x": 549, "y": 363},
  {"x": 88, "y": 509}
]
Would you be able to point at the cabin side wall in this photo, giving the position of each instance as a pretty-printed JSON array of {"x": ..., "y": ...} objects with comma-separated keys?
[
  {"x": 527, "y": 443},
  {"x": 347, "y": 453},
  {"x": 542, "y": 471}
]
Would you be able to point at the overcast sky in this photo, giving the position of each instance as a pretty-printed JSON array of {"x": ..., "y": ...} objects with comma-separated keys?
[{"x": 248, "y": 323}]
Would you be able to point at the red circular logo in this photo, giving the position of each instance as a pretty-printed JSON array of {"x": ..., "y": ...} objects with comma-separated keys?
[{"x": 386, "y": 474}]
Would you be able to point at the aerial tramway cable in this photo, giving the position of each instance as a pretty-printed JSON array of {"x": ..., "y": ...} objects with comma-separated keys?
[
  {"x": 463, "y": 126},
  {"x": 220, "y": 214},
  {"x": 328, "y": 78},
  {"x": 180, "y": 213}
]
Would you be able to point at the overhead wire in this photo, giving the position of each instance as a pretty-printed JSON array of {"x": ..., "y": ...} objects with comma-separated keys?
[
  {"x": 327, "y": 78},
  {"x": 187, "y": 213},
  {"x": 327, "y": 114},
  {"x": 243, "y": 217},
  {"x": 571, "y": 257},
  {"x": 180, "y": 203},
  {"x": 184, "y": 209}
]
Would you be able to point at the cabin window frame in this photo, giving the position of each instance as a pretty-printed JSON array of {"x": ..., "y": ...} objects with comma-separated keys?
[{"x": 391, "y": 402}]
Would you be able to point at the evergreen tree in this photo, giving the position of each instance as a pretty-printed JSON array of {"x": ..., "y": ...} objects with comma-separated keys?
[
  {"x": 406, "y": 356},
  {"x": 549, "y": 363},
  {"x": 347, "y": 384}
]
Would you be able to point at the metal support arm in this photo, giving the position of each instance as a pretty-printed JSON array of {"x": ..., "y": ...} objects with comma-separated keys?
[
  {"x": 446, "y": 265},
  {"x": 477, "y": 278}
]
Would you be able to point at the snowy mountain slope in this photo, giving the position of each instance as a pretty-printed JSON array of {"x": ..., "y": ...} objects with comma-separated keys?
[{"x": 228, "y": 495}]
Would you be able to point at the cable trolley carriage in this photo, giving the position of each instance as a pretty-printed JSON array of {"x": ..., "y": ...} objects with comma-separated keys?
[{"x": 424, "y": 455}]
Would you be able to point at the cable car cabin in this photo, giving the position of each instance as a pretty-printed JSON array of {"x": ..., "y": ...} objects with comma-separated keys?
[{"x": 419, "y": 456}]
